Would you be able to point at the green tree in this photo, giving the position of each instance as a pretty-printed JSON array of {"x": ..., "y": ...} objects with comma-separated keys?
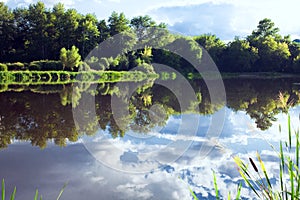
[
  {"x": 118, "y": 23},
  {"x": 273, "y": 50},
  {"x": 57, "y": 19},
  {"x": 140, "y": 24},
  {"x": 7, "y": 31},
  {"x": 264, "y": 29},
  {"x": 70, "y": 58},
  {"x": 239, "y": 56},
  {"x": 213, "y": 45},
  {"x": 89, "y": 33},
  {"x": 103, "y": 30},
  {"x": 21, "y": 40},
  {"x": 69, "y": 35},
  {"x": 37, "y": 19},
  {"x": 273, "y": 55}
]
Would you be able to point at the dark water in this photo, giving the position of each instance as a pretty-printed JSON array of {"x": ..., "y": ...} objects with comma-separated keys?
[{"x": 107, "y": 144}]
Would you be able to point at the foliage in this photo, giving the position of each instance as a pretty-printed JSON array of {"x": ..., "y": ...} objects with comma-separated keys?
[
  {"x": 289, "y": 179},
  {"x": 45, "y": 65},
  {"x": 70, "y": 58},
  {"x": 239, "y": 56},
  {"x": 118, "y": 23},
  {"x": 39, "y": 33},
  {"x": 213, "y": 45},
  {"x": 16, "y": 66},
  {"x": 3, "y": 67}
]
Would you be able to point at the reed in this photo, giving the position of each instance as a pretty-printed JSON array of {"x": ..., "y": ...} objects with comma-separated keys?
[
  {"x": 289, "y": 178},
  {"x": 36, "y": 196}
]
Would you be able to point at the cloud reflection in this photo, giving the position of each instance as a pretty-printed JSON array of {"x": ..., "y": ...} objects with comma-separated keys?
[{"x": 29, "y": 168}]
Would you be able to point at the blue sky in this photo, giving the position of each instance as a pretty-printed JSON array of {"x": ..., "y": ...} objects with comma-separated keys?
[{"x": 225, "y": 18}]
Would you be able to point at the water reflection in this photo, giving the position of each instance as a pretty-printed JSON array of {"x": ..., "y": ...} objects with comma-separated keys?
[
  {"x": 43, "y": 116},
  {"x": 41, "y": 113}
]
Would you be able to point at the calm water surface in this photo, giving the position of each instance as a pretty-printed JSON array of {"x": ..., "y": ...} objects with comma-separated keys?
[{"x": 140, "y": 154}]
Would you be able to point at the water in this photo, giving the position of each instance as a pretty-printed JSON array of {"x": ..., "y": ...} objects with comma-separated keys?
[{"x": 153, "y": 149}]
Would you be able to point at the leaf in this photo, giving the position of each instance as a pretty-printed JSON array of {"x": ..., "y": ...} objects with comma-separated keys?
[
  {"x": 36, "y": 195},
  {"x": 61, "y": 191},
  {"x": 13, "y": 195},
  {"x": 216, "y": 186},
  {"x": 3, "y": 190},
  {"x": 238, "y": 194}
]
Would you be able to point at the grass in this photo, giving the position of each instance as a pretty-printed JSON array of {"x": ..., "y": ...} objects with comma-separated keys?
[
  {"x": 289, "y": 178},
  {"x": 258, "y": 179},
  {"x": 65, "y": 77},
  {"x": 36, "y": 196}
]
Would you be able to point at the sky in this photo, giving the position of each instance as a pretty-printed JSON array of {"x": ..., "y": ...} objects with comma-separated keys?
[{"x": 224, "y": 18}]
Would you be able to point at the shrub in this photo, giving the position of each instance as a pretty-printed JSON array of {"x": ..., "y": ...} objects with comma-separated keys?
[
  {"x": 70, "y": 58},
  {"x": 46, "y": 65},
  {"x": 16, "y": 66},
  {"x": 84, "y": 67},
  {"x": 3, "y": 67}
]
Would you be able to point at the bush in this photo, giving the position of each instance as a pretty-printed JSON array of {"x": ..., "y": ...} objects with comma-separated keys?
[
  {"x": 3, "y": 88},
  {"x": 3, "y": 67},
  {"x": 46, "y": 65},
  {"x": 84, "y": 67},
  {"x": 17, "y": 66},
  {"x": 70, "y": 58}
]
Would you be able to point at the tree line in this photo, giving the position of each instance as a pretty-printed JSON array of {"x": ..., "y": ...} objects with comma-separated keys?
[{"x": 38, "y": 33}]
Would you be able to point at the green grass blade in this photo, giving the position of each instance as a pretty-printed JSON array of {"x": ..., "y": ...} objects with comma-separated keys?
[
  {"x": 291, "y": 178},
  {"x": 248, "y": 183},
  {"x": 286, "y": 193},
  {"x": 281, "y": 156},
  {"x": 290, "y": 131},
  {"x": 216, "y": 186},
  {"x": 297, "y": 150},
  {"x": 297, "y": 164},
  {"x": 191, "y": 191},
  {"x": 3, "y": 190},
  {"x": 62, "y": 190},
  {"x": 281, "y": 178},
  {"x": 228, "y": 197},
  {"x": 298, "y": 187},
  {"x": 13, "y": 195},
  {"x": 193, "y": 194},
  {"x": 262, "y": 165},
  {"x": 238, "y": 194},
  {"x": 36, "y": 195}
]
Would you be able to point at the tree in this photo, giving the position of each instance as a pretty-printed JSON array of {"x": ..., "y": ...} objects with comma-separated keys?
[
  {"x": 118, "y": 23},
  {"x": 103, "y": 31},
  {"x": 37, "y": 19},
  {"x": 264, "y": 29},
  {"x": 273, "y": 55},
  {"x": 140, "y": 24},
  {"x": 7, "y": 31},
  {"x": 69, "y": 35},
  {"x": 213, "y": 45},
  {"x": 239, "y": 56},
  {"x": 70, "y": 58},
  {"x": 273, "y": 50},
  {"x": 57, "y": 20},
  {"x": 89, "y": 33},
  {"x": 21, "y": 40}
]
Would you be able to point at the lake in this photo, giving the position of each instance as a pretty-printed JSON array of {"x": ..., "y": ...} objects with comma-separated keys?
[{"x": 140, "y": 140}]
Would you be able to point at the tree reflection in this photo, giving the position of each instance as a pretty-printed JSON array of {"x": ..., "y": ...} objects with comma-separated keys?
[{"x": 40, "y": 114}]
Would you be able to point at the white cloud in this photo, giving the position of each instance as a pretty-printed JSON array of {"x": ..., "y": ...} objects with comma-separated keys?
[{"x": 224, "y": 18}]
